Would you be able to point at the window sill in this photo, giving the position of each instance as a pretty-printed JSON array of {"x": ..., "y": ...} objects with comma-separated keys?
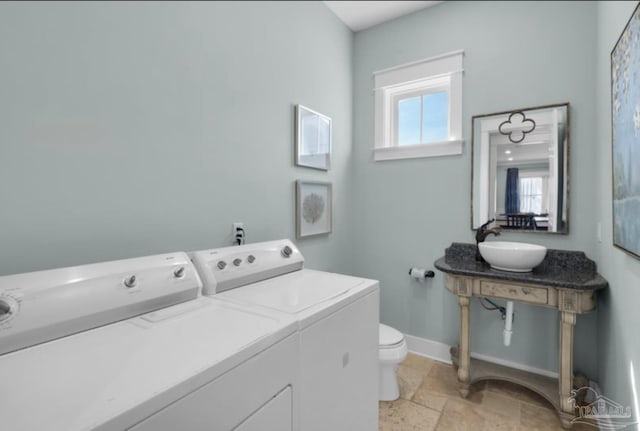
[{"x": 433, "y": 149}]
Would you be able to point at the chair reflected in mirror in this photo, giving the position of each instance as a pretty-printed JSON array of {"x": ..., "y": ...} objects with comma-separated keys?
[
  {"x": 521, "y": 221},
  {"x": 524, "y": 221},
  {"x": 523, "y": 201}
]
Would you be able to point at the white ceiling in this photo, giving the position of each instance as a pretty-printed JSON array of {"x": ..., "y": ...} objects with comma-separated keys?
[{"x": 358, "y": 15}]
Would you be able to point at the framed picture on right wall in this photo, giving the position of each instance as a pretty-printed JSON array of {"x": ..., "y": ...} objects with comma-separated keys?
[{"x": 625, "y": 137}]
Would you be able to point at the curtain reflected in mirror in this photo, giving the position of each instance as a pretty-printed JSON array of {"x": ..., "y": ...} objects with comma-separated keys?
[
  {"x": 520, "y": 169},
  {"x": 512, "y": 192}
]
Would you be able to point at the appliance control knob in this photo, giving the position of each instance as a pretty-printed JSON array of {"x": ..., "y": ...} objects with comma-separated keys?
[
  {"x": 222, "y": 264},
  {"x": 5, "y": 310},
  {"x": 179, "y": 273},
  {"x": 251, "y": 258},
  {"x": 130, "y": 282},
  {"x": 286, "y": 251},
  {"x": 237, "y": 261}
]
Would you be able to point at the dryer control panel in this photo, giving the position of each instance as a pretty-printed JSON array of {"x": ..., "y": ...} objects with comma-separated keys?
[
  {"x": 40, "y": 306},
  {"x": 226, "y": 268}
]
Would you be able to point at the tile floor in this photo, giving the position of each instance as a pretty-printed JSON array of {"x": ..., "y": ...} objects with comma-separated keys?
[{"x": 429, "y": 401}]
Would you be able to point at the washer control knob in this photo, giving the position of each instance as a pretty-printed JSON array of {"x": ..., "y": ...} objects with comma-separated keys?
[
  {"x": 286, "y": 251},
  {"x": 179, "y": 273},
  {"x": 237, "y": 261},
  {"x": 251, "y": 258},
  {"x": 222, "y": 264},
  {"x": 130, "y": 282},
  {"x": 5, "y": 310}
]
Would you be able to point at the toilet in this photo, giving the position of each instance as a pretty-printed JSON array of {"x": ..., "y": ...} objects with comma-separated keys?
[{"x": 392, "y": 350}]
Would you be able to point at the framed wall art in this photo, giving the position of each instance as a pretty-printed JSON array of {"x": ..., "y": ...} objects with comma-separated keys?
[
  {"x": 314, "y": 206},
  {"x": 313, "y": 139},
  {"x": 625, "y": 137}
]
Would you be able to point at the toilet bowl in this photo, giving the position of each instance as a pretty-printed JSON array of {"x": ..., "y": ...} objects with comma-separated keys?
[{"x": 392, "y": 350}]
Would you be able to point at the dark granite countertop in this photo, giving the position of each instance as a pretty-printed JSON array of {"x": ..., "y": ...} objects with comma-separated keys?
[{"x": 564, "y": 269}]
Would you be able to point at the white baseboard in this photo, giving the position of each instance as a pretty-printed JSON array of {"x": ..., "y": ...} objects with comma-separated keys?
[
  {"x": 428, "y": 348},
  {"x": 440, "y": 352}
]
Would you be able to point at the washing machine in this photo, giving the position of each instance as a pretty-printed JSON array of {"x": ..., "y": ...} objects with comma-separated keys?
[
  {"x": 337, "y": 317},
  {"x": 132, "y": 345}
]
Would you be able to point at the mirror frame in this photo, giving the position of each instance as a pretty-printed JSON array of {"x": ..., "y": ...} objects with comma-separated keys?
[{"x": 567, "y": 163}]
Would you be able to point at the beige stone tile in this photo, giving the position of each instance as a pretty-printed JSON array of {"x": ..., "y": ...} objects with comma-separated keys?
[
  {"x": 542, "y": 428},
  {"x": 500, "y": 425},
  {"x": 538, "y": 418},
  {"x": 517, "y": 392},
  {"x": 459, "y": 416},
  {"x": 418, "y": 363},
  {"x": 585, "y": 427},
  {"x": 441, "y": 380},
  {"x": 476, "y": 392},
  {"x": 502, "y": 405},
  {"x": 499, "y": 421},
  {"x": 429, "y": 399},
  {"x": 403, "y": 415},
  {"x": 463, "y": 416},
  {"x": 409, "y": 380}
]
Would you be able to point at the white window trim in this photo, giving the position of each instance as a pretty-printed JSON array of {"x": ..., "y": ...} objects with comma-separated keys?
[{"x": 443, "y": 71}]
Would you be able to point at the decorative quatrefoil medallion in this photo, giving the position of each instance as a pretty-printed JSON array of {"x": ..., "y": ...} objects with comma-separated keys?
[{"x": 517, "y": 126}]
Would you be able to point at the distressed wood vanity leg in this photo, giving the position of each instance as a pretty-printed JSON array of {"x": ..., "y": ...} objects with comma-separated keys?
[
  {"x": 464, "y": 358},
  {"x": 568, "y": 321}
]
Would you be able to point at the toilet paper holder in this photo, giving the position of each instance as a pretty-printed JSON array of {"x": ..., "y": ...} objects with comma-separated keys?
[{"x": 420, "y": 273}]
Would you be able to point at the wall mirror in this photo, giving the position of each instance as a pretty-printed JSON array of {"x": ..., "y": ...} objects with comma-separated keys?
[{"x": 520, "y": 169}]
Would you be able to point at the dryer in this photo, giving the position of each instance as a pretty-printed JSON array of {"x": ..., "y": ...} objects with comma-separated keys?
[
  {"x": 131, "y": 344},
  {"x": 337, "y": 317}
]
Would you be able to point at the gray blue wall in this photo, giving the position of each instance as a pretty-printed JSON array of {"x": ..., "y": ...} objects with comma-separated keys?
[
  {"x": 133, "y": 128},
  {"x": 619, "y": 318},
  {"x": 517, "y": 55}
]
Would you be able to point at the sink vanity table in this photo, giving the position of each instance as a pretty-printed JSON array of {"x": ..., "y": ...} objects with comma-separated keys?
[{"x": 565, "y": 280}]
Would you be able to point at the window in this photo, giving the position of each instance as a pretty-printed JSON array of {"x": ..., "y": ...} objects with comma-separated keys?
[
  {"x": 418, "y": 109},
  {"x": 423, "y": 118},
  {"x": 531, "y": 195}
]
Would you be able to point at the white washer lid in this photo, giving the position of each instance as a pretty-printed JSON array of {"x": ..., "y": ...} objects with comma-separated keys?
[
  {"x": 296, "y": 291},
  {"x": 389, "y": 336}
]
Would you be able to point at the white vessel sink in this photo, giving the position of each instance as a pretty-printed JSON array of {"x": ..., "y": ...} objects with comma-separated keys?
[{"x": 512, "y": 256}]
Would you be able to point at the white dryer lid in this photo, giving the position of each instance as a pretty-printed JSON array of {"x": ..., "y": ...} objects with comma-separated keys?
[{"x": 389, "y": 336}]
